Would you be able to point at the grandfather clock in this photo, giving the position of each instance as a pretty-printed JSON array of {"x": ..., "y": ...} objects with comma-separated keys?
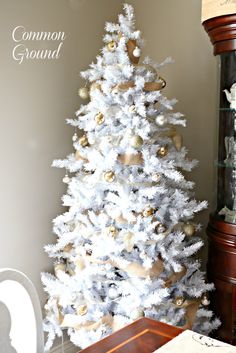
[{"x": 219, "y": 21}]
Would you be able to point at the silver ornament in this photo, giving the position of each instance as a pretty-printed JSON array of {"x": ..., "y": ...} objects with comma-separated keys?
[{"x": 161, "y": 120}]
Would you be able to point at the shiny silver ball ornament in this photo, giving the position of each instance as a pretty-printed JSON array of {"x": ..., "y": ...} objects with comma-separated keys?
[
  {"x": 161, "y": 120},
  {"x": 83, "y": 93},
  {"x": 136, "y": 141}
]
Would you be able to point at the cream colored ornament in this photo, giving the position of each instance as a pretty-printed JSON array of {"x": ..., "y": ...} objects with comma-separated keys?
[
  {"x": 99, "y": 118},
  {"x": 113, "y": 293},
  {"x": 109, "y": 176},
  {"x": 132, "y": 109},
  {"x": 136, "y": 141},
  {"x": 179, "y": 301},
  {"x": 178, "y": 141},
  {"x": 111, "y": 46},
  {"x": 83, "y": 141},
  {"x": 128, "y": 241},
  {"x": 205, "y": 300},
  {"x": 75, "y": 137},
  {"x": 148, "y": 212},
  {"x": 136, "y": 314},
  {"x": 80, "y": 265},
  {"x": 59, "y": 267},
  {"x": 112, "y": 231},
  {"x": 161, "y": 120},
  {"x": 160, "y": 228},
  {"x": 156, "y": 177},
  {"x": 162, "y": 151},
  {"x": 66, "y": 179},
  {"x": 189, "y": 229},
  {"x": 137, "y": 52},
  {"x": 95, "y": 86},
  {"x": 82, "y": 310},
  {"x": 83, "y": 93}
]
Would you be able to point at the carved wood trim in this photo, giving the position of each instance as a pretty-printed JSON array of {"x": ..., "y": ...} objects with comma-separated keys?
[{"x": 222, "y": 32}]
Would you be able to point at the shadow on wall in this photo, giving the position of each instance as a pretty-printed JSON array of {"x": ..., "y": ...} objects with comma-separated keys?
[{"x": 5, "y": 328}]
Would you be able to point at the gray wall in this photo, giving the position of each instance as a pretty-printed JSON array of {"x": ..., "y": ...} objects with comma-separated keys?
[{"x": 37, "y": 97}]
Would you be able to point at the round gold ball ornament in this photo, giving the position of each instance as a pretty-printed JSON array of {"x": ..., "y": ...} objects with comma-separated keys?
[
  {"x": 189, "y": 229},
  {"x": 111, "y": 46},
  {"x": 83, "y": 93},
  {"x": 162, "y": 151},
  {"x": 179, "y": 301},
  {"x": 160, "y": 228},
  {"x": 205, "y": 300},
  {"x": 109, "y": 176},
  {"x": 83, "y": 141},
  {"x": 148, "y": 212},
  {"x": 156, "y": 177},
  {"x": 112, "y": 231},
  {"x": 99, "y": 118},
  {"x": 82, "y": 310},
  {"x": 136, "y": 141}
]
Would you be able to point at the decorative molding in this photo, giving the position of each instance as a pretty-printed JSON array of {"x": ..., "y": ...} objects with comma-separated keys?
[
  {"x": 222, "y": 32},
  {"x": 68, "y": 348}
]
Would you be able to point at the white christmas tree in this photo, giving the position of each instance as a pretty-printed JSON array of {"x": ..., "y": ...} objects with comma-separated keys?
[{"x": 124, "y": 246}]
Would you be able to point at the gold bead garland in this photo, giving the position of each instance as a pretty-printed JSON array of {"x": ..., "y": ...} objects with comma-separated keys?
[
  {"x": 111, "y": 46},
  {"x": 83, "y": 141},
  {"x": 82, "y": 310},
  {"x": 162, "y": 151},
  {"x": 112, "y": 231},
  {"x": 149, "y": 211},
  {"x": 179, "y": 301},
  {"x": 99, "y": 118},
  {"x": 109, "y": 176}
]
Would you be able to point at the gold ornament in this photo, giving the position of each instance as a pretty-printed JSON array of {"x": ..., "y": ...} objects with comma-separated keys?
[
  {"x": 205, "y": 300},
  {"x": 179, "y": 301},
  {"x": 109, "y": 176},
  {"x": 136, "y": 141},
  {"x": 163, "y": 151},
  {"x": 160, "y": 228},
  {"x": 149, "y": 211},
  {"x": 99, "y": 118},
  {"x": 189, "y": 229},
  {"x": 112, "y": 231},
  {"x": 111, "y": 46},
  {"x": 83, "y": 141},
  {"x": 68, "y": 247},
  {"x": 82, "y": 309},
  {"x": 59, "y": 267},
  {"x": 83, "y": 93},
  {"x": 156, "y": 177},
  {"x": 89, "y": 252}
]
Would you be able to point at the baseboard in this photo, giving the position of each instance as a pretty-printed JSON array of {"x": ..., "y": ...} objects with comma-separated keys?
[{"x": 68, "y": 348}]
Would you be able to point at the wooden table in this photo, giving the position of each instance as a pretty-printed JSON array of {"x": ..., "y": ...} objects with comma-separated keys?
[{"x": 142, "y": 336}]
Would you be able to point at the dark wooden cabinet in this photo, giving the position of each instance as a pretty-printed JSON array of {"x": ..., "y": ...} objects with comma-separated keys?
[{"x": 142, "y": 336}]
